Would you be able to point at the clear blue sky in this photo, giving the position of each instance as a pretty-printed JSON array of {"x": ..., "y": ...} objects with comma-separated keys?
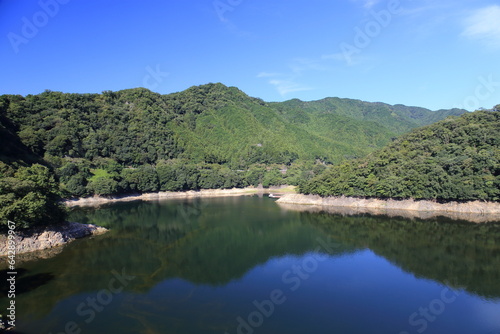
[{"x": 429, "y": 53}]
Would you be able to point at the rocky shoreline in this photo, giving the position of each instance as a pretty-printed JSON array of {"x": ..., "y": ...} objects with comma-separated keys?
[
  {"x": 49, "y": 237},
  {"x": 98, "y": 200},
  {"x": 476, "y": 211}
]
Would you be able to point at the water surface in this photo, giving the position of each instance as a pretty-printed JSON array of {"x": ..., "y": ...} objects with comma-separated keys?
[{"x": 245, "y": 265}]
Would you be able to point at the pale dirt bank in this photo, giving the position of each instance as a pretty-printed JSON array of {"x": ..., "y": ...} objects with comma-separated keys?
[
  {"x": 38, "y": 239},
  {"x": 479, "y": 212},
  {"x": 98, "y": 200}
]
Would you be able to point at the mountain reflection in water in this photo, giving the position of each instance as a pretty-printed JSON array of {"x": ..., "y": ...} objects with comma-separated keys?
[{"x": 198, "y": 265}]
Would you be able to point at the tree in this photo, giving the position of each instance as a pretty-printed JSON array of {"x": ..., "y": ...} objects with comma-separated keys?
[
  {"x": 143, "y": 179},
  {"x": 77, "y": 185},
  {"x": 30, "y": 198},
  {"x": 167, "y": 177},
  {"x": 104, "y": 186},
  {"x": 272, "y": 177}
]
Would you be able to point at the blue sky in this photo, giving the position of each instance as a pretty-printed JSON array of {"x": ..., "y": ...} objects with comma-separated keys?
[{"x": 434, "y": 54}]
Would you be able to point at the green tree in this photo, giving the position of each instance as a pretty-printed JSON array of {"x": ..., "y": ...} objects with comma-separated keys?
[
  {"x": 103, "y": 186},
  {"x": 29, "y": 197},
  {"x": 143, "y": 179},
  {"x": 77, "y": 185}
]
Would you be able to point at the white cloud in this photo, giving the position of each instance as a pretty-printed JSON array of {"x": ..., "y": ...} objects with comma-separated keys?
[
  {"x": 267, "y": 75},
  {"x": 287, "y": 86},
  {"x": 299, "y": 65},
  {"x": 287, "y": 83},
  {"x": 370, "y": 3},
  {"x": 335, "y": 56},
  {"x": 367, "y": 4},
  {"x": 484, "y": 25},
  {"x": 423, "y": 7}
]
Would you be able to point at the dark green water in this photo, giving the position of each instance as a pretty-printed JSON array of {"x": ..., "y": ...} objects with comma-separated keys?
[{"x": 244, "y": 265}]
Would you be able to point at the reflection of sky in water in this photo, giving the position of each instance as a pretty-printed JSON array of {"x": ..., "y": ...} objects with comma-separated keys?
[
  {"x": 359, "y": 292},
  {"x": 487, "y": 312},
  {"x": 362, "y": 288}
]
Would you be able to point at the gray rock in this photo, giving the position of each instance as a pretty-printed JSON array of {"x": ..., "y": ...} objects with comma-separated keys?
[{"x": 48, "y": 237}]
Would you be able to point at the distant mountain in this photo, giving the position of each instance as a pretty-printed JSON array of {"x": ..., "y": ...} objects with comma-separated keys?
[
  {"x": 363, "y": 125},
  {"x": 454, "y": 159},
  {"x": 210, "y": 123}
]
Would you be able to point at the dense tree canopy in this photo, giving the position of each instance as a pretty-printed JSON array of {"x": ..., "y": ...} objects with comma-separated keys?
[
  {"x": 454, "y": 159},
  {"x": 205, "y": 124},
  {"x": 28, "y": 196}
]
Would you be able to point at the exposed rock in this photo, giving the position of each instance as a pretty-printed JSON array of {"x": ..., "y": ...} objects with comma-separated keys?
[
  {"x": 97, "y": 200},
  {"x": 48, "y": 237},
  {"x": 479, "y": 212}
]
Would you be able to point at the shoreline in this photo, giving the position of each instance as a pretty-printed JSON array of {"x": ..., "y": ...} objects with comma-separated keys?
[
  {"x": 50, "y": 238},
  {"x": 48, "y": 241},
  {"x": 98, "y": 200},
  {"x": 474, "y": 211}
]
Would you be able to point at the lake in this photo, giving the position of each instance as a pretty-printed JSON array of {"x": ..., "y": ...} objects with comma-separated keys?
[{"x": 247, "y": 265}]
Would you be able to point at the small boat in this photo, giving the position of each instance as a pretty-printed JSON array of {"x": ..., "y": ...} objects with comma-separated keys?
[{"x": 274, "y": 196}]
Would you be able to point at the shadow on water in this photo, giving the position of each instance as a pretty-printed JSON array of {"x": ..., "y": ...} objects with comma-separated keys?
[{"x": 24, "y": 282}]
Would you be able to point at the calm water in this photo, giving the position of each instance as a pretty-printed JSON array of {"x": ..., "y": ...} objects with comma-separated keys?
[{"x": 244, "y": 265}]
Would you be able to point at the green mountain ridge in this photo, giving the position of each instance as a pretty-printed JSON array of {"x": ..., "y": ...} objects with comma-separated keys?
[
  {"x": 453, "y": 159},
  {"x": 210, "y": 123}
]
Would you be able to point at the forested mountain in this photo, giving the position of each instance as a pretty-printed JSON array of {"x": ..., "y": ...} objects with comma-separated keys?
[
  {"x": 454, "y": 159},
  {"x": 208, "y": 136},
  {"x": 210, "y": 123},
  {"x": 330, "y": 111}
]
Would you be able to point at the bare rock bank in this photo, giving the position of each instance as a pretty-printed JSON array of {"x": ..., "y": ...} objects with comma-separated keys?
[
  {"x": 38, "y": 239},
  {"x": 97, "y": 200},
  {"x": 476, "y": 211}
]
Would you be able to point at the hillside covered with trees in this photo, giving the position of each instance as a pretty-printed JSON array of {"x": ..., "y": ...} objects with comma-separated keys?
[
  {"x": 209, "y": 136},
  {"x": 454, "y": 159},
  {"x": 210, "y": 123},
  {"x": 29, "y": 191}
]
